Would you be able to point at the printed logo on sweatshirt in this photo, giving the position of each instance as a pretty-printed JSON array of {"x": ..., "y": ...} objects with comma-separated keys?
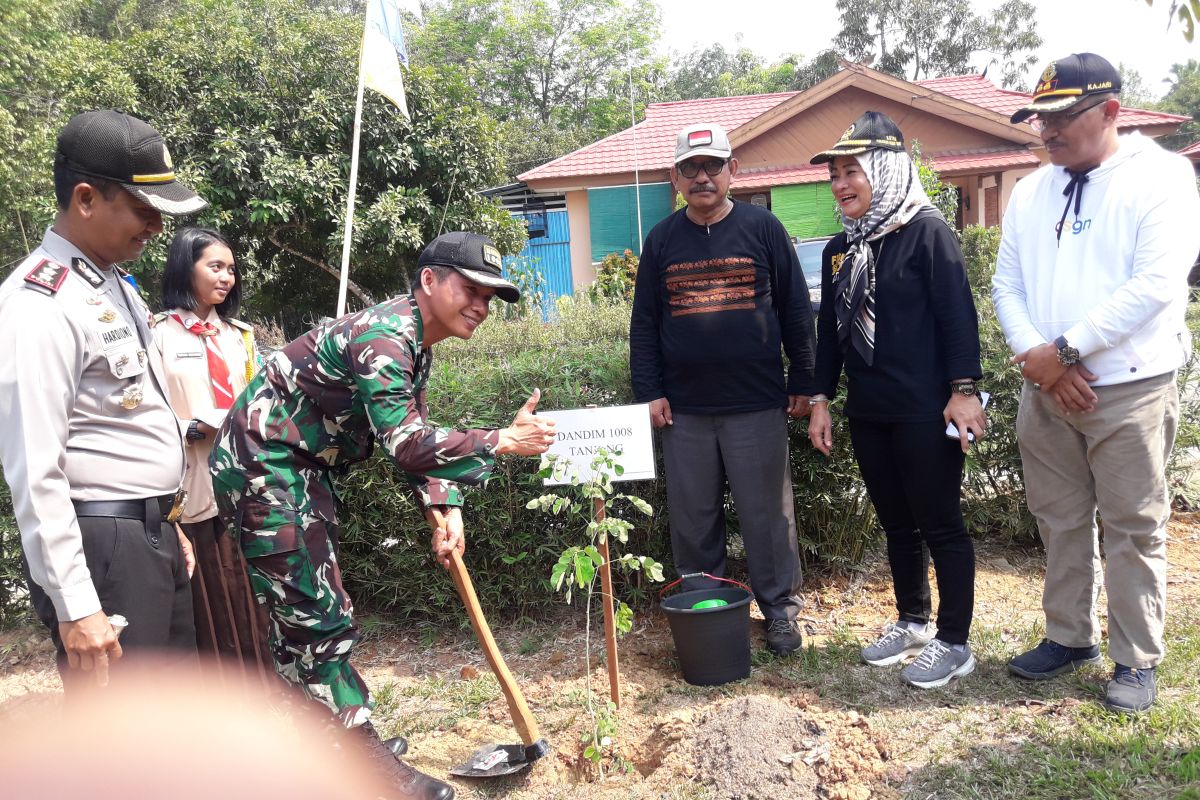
[
  {"x": 1077, "y": 227},
  {"x": 710, "y": 286}
]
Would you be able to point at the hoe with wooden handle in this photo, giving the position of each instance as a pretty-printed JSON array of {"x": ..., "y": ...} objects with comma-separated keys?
[{"x": 495, "y": 759}]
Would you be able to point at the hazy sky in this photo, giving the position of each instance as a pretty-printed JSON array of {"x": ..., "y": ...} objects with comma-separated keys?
[{"x": 1125, "y": 31}]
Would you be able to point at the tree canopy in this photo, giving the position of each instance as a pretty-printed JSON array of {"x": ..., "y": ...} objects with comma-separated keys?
[
  {"x": 715, "y": 71},
  {"x": 1183, "y": 98},
  {"x": 928, "y": 38},
  {"x": 554, "y": 74},
  {"x": 259, "y": 123}
]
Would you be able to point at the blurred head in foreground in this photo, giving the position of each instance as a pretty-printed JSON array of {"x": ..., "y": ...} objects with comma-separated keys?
[{"x": 187, "y": 739}]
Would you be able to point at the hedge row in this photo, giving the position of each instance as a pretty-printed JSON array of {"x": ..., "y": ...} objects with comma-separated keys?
[{"x": 582, "y": 358}]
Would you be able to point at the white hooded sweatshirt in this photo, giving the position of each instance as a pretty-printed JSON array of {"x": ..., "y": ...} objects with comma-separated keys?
[{"x": 1115, "y": 283}]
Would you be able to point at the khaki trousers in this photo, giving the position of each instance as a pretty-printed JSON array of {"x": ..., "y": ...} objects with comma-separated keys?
[{"x": 1112, "y": 460}]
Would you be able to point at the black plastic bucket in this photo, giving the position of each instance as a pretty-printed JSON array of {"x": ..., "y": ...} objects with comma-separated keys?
[{"x": 713, "y": 644}]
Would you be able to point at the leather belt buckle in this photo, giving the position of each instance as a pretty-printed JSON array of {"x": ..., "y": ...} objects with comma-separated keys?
[{"x": 176, "y": 512}]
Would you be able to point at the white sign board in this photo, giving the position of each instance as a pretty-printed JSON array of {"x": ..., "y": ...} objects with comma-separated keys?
[{"x": 622, "y": 431}]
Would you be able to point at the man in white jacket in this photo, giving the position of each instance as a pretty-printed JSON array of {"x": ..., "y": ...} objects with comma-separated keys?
[{"x": 1091, "y": 290}]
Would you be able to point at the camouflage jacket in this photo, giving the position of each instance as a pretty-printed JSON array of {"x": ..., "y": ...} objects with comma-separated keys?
[{"x": 322, "y": 402}]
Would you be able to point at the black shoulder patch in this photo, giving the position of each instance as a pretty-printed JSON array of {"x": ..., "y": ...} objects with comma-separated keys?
[
  {"x": 48, "y": 274},
  {"x": 86, "y": 271}
]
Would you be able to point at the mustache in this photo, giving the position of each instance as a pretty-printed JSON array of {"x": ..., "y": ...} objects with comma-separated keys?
[{"x": 704, "y": 189}]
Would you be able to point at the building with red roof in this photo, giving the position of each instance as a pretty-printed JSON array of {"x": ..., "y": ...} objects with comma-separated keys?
[
  {"x": 1192, "y": 153},
  {"x": 616, "y": 189}
]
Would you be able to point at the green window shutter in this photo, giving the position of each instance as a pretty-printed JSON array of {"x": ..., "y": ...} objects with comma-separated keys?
[
  {"x": 806, "y": 209},
  {"x": 612, "y": 213}
]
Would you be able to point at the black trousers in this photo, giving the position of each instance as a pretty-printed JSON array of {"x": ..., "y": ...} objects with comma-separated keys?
[
  {"x": 913, "y": 474},
  {"x": 749, "y": 453},
  {"x": 139, "y": 572}
]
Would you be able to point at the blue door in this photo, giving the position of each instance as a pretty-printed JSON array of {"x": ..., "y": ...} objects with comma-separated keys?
[{"x": 549, "y": 256}]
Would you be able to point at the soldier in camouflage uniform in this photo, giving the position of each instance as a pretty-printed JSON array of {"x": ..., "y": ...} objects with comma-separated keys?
[{"x": 319, "y": 405}]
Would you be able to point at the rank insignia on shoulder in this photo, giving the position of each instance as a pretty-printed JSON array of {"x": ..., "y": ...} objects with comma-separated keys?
[
  {"x": 86, "y": 271},
  {"x": 48, "y": 274},
  {"x": 108, "y": 316}
]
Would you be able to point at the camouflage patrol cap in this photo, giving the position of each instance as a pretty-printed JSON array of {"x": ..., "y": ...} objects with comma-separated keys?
[
  {"x": 473, "y": 256},
  {"x": 125, "y": 150}
]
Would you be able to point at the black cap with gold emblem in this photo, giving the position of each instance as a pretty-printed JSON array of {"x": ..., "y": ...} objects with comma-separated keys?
[
  {"x": 125, "y": 150},
  {"x": 872, "y": 130},
  {"x": 1067, "y": 81},
  {"x": 473, "y": 256}
]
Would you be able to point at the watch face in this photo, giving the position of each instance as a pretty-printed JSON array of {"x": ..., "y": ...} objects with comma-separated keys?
[{"x": 965, "y": 388}]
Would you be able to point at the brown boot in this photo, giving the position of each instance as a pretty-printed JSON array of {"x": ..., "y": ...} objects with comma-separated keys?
[{"x": 407, "y": 783}]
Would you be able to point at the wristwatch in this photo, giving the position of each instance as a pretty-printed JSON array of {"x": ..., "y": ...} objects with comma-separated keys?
[
  {"x": 1067, "y": 355},
  {"x": 964, "y": 387},
  {"x": 193, "y": 431}
]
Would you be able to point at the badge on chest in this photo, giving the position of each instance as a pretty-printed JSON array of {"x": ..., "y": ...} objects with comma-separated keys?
[{"x": 119, "y": 341}]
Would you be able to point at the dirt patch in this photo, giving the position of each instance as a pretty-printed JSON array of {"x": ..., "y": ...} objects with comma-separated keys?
[
  {"x": 817, "y": 725},
  {"x": 777, "y": 750}
]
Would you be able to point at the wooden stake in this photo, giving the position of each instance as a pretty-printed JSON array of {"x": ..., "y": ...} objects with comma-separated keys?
[{"x": 610, "y": 622}]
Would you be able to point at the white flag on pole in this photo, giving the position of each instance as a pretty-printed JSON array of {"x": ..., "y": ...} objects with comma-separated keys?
[{"x": 383, "y": 52}]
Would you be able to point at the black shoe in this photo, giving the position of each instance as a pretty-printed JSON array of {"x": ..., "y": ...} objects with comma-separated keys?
[
  {"x": 1130, "y": 690},
  {"x": 1049, "y": 659},
  {"x": 783, "y": 636},
  {"x": 407, "y": 783}
]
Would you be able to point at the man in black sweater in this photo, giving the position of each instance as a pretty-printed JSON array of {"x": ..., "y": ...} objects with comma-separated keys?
[{"x": 719, "y": 297}]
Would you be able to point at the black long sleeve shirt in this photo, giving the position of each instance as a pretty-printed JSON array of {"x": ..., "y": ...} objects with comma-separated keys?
[
  {"x": 926, "y": 329},
  {"x": 714, "y": 307}
]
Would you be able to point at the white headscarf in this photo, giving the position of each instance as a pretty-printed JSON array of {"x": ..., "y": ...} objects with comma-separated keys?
[{"x": 896, "y": 197}]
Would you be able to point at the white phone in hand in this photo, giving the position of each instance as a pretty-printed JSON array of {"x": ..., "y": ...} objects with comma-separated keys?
[{"x": 952, "y": 429}]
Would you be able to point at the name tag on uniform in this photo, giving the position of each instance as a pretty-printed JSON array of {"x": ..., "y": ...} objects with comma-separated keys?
[
  {"x": 122, "y": 348},
  {"x": 197, "y": 354}
]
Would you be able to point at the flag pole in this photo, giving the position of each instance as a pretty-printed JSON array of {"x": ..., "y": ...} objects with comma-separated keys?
[{"x": 350, "y": 196}]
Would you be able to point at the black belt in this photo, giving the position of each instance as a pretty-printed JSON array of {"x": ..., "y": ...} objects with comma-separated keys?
[{"x": 157, "y": 508}]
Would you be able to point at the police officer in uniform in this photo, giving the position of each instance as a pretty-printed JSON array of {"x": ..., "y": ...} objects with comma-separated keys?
[{"x": 90, "y": 448}]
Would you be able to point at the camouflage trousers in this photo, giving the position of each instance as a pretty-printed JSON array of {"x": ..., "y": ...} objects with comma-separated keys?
[{"x": 292, "y": 561}]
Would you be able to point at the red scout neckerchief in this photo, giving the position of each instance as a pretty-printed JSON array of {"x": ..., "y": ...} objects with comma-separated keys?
[{"x": 218, "y": 372}]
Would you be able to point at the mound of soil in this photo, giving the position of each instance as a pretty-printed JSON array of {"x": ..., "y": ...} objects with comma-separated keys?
[
  {"x": 759, "y": 748},
  {"x": 763, "y": 747}
]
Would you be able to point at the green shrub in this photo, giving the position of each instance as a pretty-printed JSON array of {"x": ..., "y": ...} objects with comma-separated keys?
[
  {"x": 14, "y": 603},
  {"x": 615, "y": 277},
  {"x": 993, "y": 488},
  {"x": 581, "y": 359}
]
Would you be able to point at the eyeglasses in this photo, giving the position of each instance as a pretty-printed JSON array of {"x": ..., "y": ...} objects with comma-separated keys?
[
  {"x": 690, "y": 169},
  {"x": 1041, "y": 122}
]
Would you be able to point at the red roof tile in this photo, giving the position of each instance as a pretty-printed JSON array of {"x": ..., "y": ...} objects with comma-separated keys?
[
  {"x": 946, "y": 164},
  {"x": 652, "y": 141},
  {"x": 955, "y": 163},
  {"x": 1192, "y": 151},
  {"x": 979, "y": 90}
]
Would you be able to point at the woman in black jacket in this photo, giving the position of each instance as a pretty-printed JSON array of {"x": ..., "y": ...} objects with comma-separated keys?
[{"x": 897, "y": 315}]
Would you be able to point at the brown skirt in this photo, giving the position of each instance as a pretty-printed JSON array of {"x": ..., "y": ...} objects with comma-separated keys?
[{"x": 231, "y": 626}]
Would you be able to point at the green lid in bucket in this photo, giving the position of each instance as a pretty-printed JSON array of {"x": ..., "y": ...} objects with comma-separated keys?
[{"x": 715, "y": 602}]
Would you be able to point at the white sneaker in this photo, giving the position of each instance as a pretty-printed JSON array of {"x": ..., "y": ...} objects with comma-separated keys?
[
  {"x": 897, "y": 643},
  {"x": 937, "y": 664}
]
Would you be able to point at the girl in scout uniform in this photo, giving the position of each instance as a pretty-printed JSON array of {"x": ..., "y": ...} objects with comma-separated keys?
[{"x": 209, "y": 357}]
